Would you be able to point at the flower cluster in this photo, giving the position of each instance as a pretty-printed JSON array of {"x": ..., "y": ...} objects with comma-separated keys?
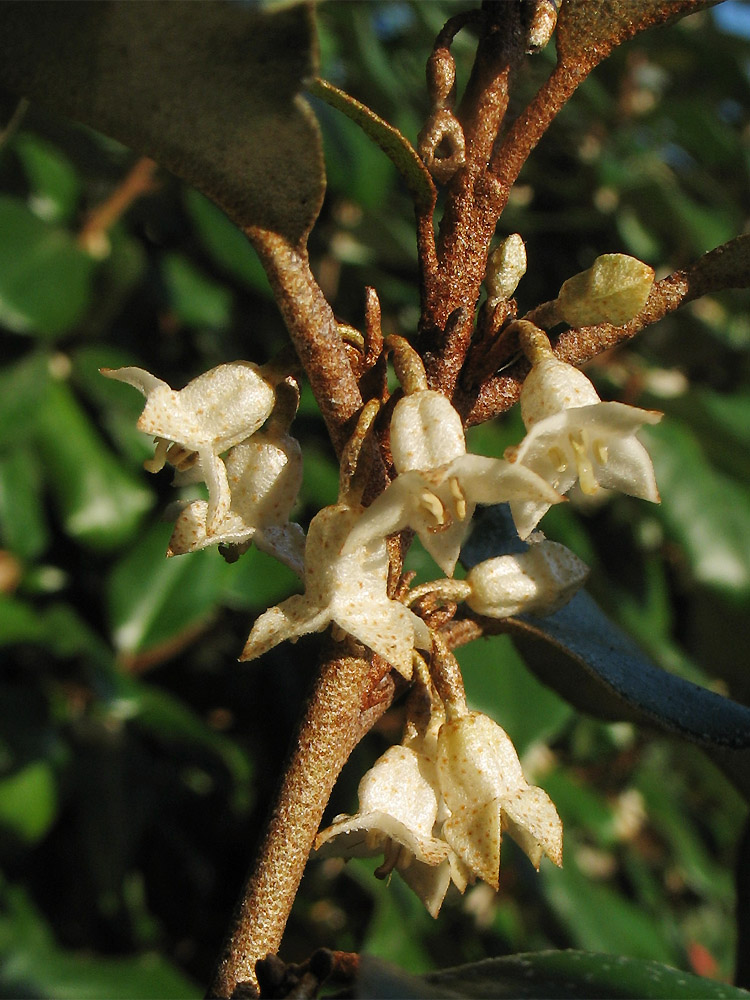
[{"x": 436, "y": 806}]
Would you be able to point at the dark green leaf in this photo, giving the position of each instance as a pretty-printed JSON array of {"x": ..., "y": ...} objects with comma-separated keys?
[
  {"x": 100, "y": 503},
  {"x": 22, "y": 388},
  {"x": 580, "y": 654},
  {"x": 53, "y": 180},
  {"x": 45, "y": 279},
  {"x": 154, "y": 600},
  {"x": 208, "y": 90},
  {"x": 23, "y": 526},
  {"x": 566, "y": 974},
  {"x": 195, "y": 299},
  {"x": 227, "y": 245},
  {"x": 703, "y": 509},
  {"x": 35, "y": 966}
]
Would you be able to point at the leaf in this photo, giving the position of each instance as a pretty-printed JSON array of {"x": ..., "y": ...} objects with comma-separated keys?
[
  {"x": 53, "y": 180},
  {"x": 226, "y": 244},
  {"x": 101, "y": 504},
  {"x": 587, "y": 32},
  {"x": 196, "y": 299},
  {"x": 707, "y": 512},
  {"x": 396, "y": 146},
  {"x": 154, "y": 600},
  {"x": 23, "y": 526},
  {"x": 574, "y": 974},
  {"x": 580, "y": 654},
  {"x": 35, "y": 966},
  {"x": 208, "y": 90},
  {"x": 45, "y": 279},
  {"x": 28, "y": 801}
]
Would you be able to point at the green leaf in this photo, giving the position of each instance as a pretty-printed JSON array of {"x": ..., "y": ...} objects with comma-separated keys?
[
  {"x": 208, "y": 90},
  {"x": 23, "y": 526},
  {"x": 45, "y": 279},
  {"x": 101, "y": 504},
  {"x": 23, "y": 386},
  {"x": 563, "y": 974},
  {"x": 396, "y": 146},
  {"x": 228, "y": 246},
  {"x": 34, "y": 965},
  {"x": 28, "y": 801},
  {"x": 704, "y": 510},
  {"x": 52, "y": 178},
  {"x": 196, "y": 300},
  {"x": 154, "y": 600}
]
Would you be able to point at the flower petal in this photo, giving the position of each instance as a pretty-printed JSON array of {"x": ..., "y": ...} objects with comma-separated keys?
[{"x": 292, "y": 618}]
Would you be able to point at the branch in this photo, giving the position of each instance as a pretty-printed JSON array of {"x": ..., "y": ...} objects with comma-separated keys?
[
  {"x": 728, "y": 266},
  {"x": 349, "y": 697},
  {"x": 313, "y": 329}
]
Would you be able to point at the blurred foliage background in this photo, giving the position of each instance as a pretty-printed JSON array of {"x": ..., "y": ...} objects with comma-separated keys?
[{"x": 137, "y": 757}]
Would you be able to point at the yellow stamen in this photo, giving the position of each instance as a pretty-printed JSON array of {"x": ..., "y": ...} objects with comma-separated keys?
[
  {"x": 429, "y": 502},
  {"x": 601, "y": 452},
  {"x": 586, "y": 476},
  {"x": 156, "y": 464},
  {"x": 459, "y": 496}
]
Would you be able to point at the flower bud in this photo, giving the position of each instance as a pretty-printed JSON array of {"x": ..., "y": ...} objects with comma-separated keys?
[
  {"x": 540, "y": 581},
  {"x": 505, "y": 268},
  {"x": 613, "y": 290}
]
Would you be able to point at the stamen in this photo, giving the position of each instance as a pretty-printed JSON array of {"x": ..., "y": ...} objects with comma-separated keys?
[
  {"x": 557, "y": 457},
  {"x": 156, "y": 464},
  {"x": 601, "y": 452},
  {"x": 433, "y": 506},
  {"x": 405, "y": 858},
  {"x": 586, "y": 476},
  {"x": 373, "y": 839},
  {"x": 459, "y": 496},
  {"x": 181, "y": 458},
  {"x": 392, "y": 851}
]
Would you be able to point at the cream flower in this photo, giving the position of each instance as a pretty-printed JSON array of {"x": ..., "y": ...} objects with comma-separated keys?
[
  {"x": 574, "y": 436},
  {"x": 438, "y": 485},
  {"x": 398, "y": 809},
  {"x": 211, "y": 414},
  {"x": 483, "y": 786},
  {"x": 348, "y": 588},
  {"x": 538, "y": 581},
  {"x": 264, "y": 474}
]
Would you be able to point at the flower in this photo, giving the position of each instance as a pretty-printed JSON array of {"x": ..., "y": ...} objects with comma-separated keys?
[
  {"x": 348, "y": 588},
  {"x": 264, "y": 474},
  {"x": 213, "y": 413},
  {"x": 438, "y": 485},
  {"x": 398, "y": 809},
  {"x": 540, "y": 581},
  {"x": 481, "y": 780},
  {"x": 572, "y": 435}
]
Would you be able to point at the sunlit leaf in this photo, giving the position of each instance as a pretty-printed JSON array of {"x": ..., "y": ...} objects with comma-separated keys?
[
  {"x": 208, "y": 90},
  {"x": 28, "y": 801}
]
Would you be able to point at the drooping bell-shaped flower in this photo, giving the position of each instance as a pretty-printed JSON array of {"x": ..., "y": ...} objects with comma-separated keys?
[
  {"x": 345, "y": 587},
  {"x": 574, "y": 436},
  {"x": 264, "y": 474},
  {"x": 197, "y": 424},
  {"x": 438, "y": 485},
  {"x": 483, "y": 785},
  {"x": 398, "y": 810},
  {"x": 539, "y": 581}
]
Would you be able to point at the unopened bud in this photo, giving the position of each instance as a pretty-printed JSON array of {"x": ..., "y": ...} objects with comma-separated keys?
[
  {"x": 540, "y": 581},
  {"x": 505, "y": 268},
  {"x": 613, "y": 290},
  {"x": 542, "y": 26}
]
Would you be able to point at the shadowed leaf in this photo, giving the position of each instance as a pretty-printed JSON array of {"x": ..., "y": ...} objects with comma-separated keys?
[{"x": 209, "y": 90}]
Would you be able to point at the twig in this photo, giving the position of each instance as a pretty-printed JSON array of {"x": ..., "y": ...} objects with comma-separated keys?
[
  {"x": 349, "y": 697},
  {"x": 138, "y": 181}
]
